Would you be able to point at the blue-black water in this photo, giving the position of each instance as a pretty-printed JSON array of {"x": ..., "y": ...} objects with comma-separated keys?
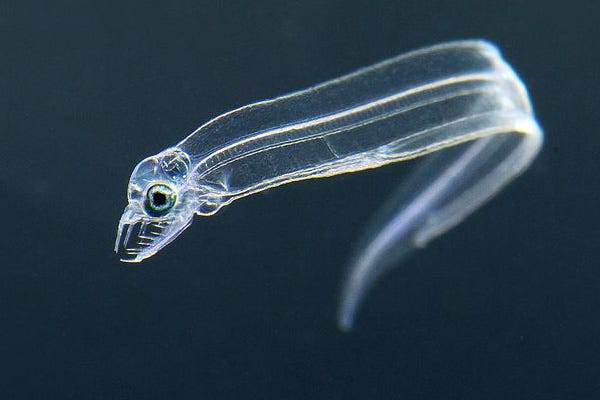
[{"x": 242, "y": 306}]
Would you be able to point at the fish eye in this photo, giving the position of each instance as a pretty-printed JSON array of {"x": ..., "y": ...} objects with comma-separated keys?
[{"x": 160, "y": 198}]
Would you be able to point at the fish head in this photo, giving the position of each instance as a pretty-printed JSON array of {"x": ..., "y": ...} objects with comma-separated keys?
[{"x": 161, "y": 204}]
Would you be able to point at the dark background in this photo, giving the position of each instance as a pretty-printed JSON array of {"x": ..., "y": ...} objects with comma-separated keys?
[{"x": 242, "y": 305}]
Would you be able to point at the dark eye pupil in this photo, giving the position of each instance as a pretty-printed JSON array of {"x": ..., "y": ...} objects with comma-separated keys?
[{"x": 159, "y": 198}]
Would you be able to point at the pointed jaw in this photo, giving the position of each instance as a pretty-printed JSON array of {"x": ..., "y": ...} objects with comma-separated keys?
[{"x": 140, "y": 236}]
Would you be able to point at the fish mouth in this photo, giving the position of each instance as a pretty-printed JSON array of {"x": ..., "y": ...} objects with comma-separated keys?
[
  {"x": 140, "y": 239},
  {"x": 140, "y": 236}
]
